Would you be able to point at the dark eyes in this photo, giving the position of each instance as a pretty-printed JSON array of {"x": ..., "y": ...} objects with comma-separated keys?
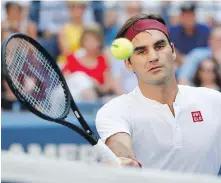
[
  {"x": 157, "y": 48},
  {"x": 142, "y": 52}
]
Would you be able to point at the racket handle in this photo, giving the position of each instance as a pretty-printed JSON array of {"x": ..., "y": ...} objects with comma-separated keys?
[{"x": 105, "y": 152}]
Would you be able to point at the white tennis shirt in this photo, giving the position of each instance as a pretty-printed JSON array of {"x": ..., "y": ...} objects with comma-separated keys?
[{"x": 188, "y": 142}]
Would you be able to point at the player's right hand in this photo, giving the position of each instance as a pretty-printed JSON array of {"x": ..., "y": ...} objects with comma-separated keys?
[
  {"x": 125, "y": 162},
  {"x": 129, "y": 162}
]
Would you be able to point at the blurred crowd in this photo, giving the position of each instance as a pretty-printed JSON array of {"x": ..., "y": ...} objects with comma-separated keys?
[{"x": 78, "y": 34}]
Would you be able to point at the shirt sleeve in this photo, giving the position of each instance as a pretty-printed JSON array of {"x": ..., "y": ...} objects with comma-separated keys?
[
  {"x": 218, "y": 95},
  {"x": 110, "y": 121},
  {"x": 215, "y": 96}
]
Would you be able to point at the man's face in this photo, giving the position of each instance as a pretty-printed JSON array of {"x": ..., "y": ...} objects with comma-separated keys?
[
  {"x": 188, "y": 19},
  {"x": 77, "y": 10},
  {"x": 15, "y": 13},
  {"x": 110, "y": 17},
  {"x": 91, "y": 43},
  {"x": 133, "y": 9},
  {"x": 215, "y": 40},
  {"x": 153, "y": 58}
]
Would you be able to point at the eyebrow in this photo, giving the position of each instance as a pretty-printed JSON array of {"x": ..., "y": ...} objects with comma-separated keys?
[
  {"x": 139, "y": 48},
  {"x": 161, "y": 41}
]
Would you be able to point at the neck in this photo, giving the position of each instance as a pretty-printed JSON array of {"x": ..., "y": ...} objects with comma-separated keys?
[
  {"x": 209, "y": 85},
  {"x": 189, "y": 31},
  {"x": 12, "y": 19},
  {"x": 165, "y": 93},
  {"x": 92, "y": 55},
  {"x": 77, "y": 21}
]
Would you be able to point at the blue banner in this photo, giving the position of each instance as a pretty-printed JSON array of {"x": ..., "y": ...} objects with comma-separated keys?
[{"x": 25, "y": 132}]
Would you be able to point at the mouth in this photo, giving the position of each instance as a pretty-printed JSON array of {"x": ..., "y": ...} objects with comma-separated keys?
[{"x": 155, "y": 68}]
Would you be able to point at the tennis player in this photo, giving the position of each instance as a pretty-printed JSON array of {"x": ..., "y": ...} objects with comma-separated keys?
[{"x": 160, "y": 124}]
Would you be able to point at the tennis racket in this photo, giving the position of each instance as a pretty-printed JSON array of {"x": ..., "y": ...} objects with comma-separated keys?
[{"x": 36, "y": 81}]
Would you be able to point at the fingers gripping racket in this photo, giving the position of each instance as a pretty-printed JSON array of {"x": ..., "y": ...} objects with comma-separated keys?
[{"x": 36, "y": 80}]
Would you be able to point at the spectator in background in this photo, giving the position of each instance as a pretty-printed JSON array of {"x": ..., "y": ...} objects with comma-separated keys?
[
  {"x": 70, "y": 34},
  {"x": 165, "y": 11},
  {"x": 93, "y": 64},
  {"x": 174, "y": 12},
  {"x": 133, "y": 8},
  {"x": 16, "y": 22},
  {"x": 49, "y": 17},
  {"x": 130, "y": 9},
  {"x": 124, "y": 80},
  {"x": 207, "y": 75},
  {"x": 111, "y": 26},
  {"x": 188, "y": 34},
  {"x": 34, "y": 13},
  {"x": 197, "y": 55},
  {"x": 98, "y": 10},
  {"x": 7, "y": 97},
  {"x": 52, "y": 16}
]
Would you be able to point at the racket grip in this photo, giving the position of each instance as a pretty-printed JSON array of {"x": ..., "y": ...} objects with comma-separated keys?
[{"x": 106, "y": 154}]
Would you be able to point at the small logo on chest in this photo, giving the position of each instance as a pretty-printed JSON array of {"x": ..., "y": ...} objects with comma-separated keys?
[{"x": 197, "y": 116}]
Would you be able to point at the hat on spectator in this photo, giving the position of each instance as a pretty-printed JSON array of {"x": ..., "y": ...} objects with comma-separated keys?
[{"x": 187, "y": 7}]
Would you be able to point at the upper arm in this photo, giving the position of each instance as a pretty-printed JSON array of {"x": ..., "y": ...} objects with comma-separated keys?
[
  {"x": 61, "y": 36},
  {"x": 114, "y": 129},
  {"x": 5, "y": 31},
  {"x": 62, "y": 40},
  {"x": 111, "y": 120},
  {"x": 32, "y": 29}
]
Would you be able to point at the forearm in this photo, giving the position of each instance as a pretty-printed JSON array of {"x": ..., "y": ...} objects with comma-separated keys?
[
  {"x": 62, "y": 44},
  {"x": 125, "y": 154},
  {"x": 120, "y": 149}
]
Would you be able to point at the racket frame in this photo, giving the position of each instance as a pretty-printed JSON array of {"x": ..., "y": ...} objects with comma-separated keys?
[{"x": 87, "y": 132}]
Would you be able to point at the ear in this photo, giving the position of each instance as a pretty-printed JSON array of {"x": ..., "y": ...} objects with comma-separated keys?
[
  {"x": 173, "y": 51},
  {"x": 128, "y": 65}
]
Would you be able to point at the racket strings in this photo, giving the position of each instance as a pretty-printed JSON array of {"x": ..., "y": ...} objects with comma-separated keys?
[{"x": 34, "y": 78}]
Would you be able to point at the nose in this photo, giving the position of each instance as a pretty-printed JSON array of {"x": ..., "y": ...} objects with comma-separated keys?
[{"x": 153, "y": 56}]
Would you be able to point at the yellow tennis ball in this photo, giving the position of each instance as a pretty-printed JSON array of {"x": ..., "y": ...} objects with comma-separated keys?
[{"x": 122, "y": 48}]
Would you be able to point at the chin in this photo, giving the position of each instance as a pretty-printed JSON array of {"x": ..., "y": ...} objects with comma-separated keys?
[{"x": 157, "y": 80}]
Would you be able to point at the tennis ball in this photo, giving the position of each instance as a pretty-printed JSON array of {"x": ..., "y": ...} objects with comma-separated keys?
[{"x": 122, "y": 48}]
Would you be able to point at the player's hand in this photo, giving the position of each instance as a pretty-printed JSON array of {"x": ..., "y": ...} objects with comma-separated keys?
[
  {"x": 129, "y": 162},
  {"x": 125, "y": 162}
]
